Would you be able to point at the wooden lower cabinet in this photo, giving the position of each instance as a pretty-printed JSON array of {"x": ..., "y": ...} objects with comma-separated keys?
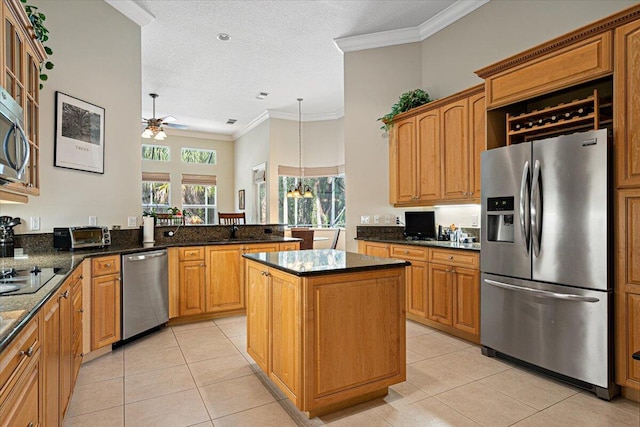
[
  {"x": 23, "y": 407},
  {"x": 105, "y": 301},
  {"x": 327, "y": 341},
  {"x": 373, "y": 248},
  {"x": 440, "y": 294},
  {"x": 224, "y": 289},
  {"x": 192, "y": 289},
  {"x": 416, "y": 276}
]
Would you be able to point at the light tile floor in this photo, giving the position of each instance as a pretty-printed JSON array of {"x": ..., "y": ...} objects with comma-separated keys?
[{"x": 200, "y": 375}]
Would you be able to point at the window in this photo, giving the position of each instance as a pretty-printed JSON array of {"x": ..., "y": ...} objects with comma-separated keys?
[
  {"x": 325, "y": 209},
  {"x": 199, "y": 198},
  {"x": 260, "y": 181},
  {"x": 155, "y": 192},
  {"x": 196, "y": 155},
  {"x": 158, "y": 153}
]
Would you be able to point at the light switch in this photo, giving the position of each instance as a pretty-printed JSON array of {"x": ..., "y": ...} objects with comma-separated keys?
[
  {"x": 34, "y": 223},
  {"x": 93, "y": 220},
  {"x": 364, "y": 219},
  {"x": 132, "y": 221}
]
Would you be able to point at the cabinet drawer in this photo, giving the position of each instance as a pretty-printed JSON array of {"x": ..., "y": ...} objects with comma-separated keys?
[
  {"x": 18, "y": 354},
  {"x": 191, "y": 253},
  {"x": 583, "y": 61},
  {"x": 409, "y": 252},
  {"x": 105, "y": 265},
  {"x": 456, "y": 257}
]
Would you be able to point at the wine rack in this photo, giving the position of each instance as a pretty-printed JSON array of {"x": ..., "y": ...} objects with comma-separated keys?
[{"x": 578, "y": 115}]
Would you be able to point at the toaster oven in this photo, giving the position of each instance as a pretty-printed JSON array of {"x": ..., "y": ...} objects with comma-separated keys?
[{"x": 70, "y": 238}]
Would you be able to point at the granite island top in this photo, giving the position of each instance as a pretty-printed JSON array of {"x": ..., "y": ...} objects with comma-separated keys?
[
  {"x": 17, "y": 310},
  {"x": 323, "y": 261},
  {"x": 444, "y": 244}
]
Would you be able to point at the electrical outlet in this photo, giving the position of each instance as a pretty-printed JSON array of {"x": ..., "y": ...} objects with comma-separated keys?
[
  {"x": 387, "y": 219},
  {"x": 34, "y": 223},
  {"x": 93, "y": 220},
  {"x": 474, "y": 220},
  {"x": 364, "y": 219},
  {"x": 132, "y": 221},
  {"x": 376, "y": 219}
]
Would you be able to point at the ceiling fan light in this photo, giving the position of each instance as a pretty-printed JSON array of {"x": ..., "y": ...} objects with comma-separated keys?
[
  {"x": 160, "y": 136},
  {"x": 147, "y": 133}
]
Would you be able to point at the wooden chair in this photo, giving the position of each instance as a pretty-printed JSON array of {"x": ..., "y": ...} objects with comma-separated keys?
[
  {"x": 231, "y": 218},
  {"x": 306, "y": 235},
  {"x": 335, "y": 239}
]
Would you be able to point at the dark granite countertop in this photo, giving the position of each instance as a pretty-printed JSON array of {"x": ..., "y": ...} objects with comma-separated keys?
[
  {"x": 444, "y": 244},
  {"x": 17, "y": 310},
  {"x": 323, "y": 261}
]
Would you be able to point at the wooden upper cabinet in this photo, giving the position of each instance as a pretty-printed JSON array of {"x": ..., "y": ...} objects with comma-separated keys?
[
  {"x": 404, "y": 168},
  {"x": 477, "y": 140},
  {"x": 627, "y": 105},
  {"x": 428, "y": 155},
  {"x": 579, "y": 62},
  {"x": 455, "y": 150}
]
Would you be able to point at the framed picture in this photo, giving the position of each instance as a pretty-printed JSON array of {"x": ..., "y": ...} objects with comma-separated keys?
[
  {"x": 241, "y": 200},
  {"x": 79, "y": 142}
]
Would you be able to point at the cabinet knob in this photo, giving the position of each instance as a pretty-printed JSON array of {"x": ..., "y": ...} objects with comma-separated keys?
[
  {"x": 117, "y": 279},
  {"x": 28, "y": 352},
  {"x": 81, "y": 310},
  {"x": 202, "y": 265},
  {"x": 65, "y": 294},
  {"x": 450, "y": 256},
  {"x": 406, "y": 252},
  {"x": 31, "y": 424},
  {"x": 81, "y": 277},
  {"x": 108, "y": 265}
]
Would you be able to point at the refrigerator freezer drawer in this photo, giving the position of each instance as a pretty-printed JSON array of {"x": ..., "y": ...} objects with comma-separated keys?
[{"x": 559, "y": 328}]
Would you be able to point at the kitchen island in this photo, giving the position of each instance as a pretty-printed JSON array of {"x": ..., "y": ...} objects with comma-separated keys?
[{"x": 327, "y": 326}]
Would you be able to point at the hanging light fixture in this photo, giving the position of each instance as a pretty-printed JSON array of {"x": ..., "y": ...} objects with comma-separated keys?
[
  {"x": 300, "y": 192},
  {"x": 154, "y": 126}
]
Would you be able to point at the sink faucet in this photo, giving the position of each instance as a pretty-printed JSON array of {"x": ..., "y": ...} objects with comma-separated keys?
[{"x": 234, "y": 230}]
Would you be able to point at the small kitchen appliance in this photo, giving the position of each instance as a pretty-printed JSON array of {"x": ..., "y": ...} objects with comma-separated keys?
[
  {"x": 14, "y": 154},
  {"x": 82, "y": 237},
  {"x": 546, "y": 289},
  {"x": 6, "y": 235}
]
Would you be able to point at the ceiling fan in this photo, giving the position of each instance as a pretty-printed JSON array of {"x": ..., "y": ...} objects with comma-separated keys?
[{"x": 154, "y": 126}]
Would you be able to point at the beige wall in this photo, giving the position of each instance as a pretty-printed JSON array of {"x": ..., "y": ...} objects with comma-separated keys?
[
  {"x": 442, "y": 64},
  {"x": 223, "y": 169},
  {"x": 251, "y": 150},
  {"x": 96, "y": 52}
]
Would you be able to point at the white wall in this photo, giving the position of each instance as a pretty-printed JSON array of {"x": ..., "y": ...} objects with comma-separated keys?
[
  {"x": 442, "y": 64},
  {"x": 223, "y": 169},
  {"x": 251, "y": 150},
  {"x": 96, "y": 52}
]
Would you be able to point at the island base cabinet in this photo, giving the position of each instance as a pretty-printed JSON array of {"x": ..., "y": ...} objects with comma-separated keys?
[
  {"x": 330, "y": 341},
  {"x": 23, "y": 406}
]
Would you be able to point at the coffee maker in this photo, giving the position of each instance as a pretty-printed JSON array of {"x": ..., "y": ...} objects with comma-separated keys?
[{"x": 6, "y": 235}]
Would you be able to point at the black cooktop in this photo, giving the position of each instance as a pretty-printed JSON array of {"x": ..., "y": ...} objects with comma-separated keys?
[{"x": 27, "y": 281}]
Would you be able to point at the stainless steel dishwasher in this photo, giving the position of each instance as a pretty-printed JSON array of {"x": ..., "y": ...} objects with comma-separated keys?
[{"x": 145, "y": 292}]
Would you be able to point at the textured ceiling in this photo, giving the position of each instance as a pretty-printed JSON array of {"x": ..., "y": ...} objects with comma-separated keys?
[{"x": 285, "y": 48}]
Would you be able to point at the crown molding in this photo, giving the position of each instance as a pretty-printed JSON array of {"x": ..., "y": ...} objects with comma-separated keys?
[
  {"x": 273, "y": 114},
  {"x": 196, "y": 134},
  {"x": 253, "y": 124},
  {"x": 425, "y": 30},
  {"x": 132, "y": 10}
]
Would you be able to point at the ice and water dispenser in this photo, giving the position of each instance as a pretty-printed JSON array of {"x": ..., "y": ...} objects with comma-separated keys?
[{"x": 500, "y": 216}]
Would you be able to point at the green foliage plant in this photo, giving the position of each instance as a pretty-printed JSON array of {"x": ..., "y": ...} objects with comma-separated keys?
[
  {"x": 408, "y": 100},
  {"x": 42, "y": 35}
]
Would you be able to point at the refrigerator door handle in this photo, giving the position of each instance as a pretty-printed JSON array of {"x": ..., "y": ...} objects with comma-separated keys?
[
  {"x": 541, "y": 293},
  {"x": 525, "y": 220},
  {"x": 536, "y": 209}
]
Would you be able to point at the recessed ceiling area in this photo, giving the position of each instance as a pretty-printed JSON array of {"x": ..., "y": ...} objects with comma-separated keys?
[{"x": 283, "y": 48}]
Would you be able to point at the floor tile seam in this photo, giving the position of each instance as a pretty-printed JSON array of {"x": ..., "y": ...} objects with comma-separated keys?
[
  {"x": 219, "y": 381},
  {"x": 468, "y": 417},
  {"x": 146, "y": 350},
  {"x": 241, "y": 411},
  {"x": 130, "y": 374},
  {"x": 97, "y": 381},
  {"x": 438, "y": 400},
  {"x": 92, "y": 412},
  {"x": 169, "y": 394},
  {"x": 160, "y": 395},
  {"x": 432, "y": 357}
]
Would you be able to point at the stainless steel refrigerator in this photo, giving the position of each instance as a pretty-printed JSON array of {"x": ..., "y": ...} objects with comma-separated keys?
[{"x": 546, "y": 284}]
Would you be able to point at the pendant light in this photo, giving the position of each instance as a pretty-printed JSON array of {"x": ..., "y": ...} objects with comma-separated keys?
[{"x": 298, "y": 192}]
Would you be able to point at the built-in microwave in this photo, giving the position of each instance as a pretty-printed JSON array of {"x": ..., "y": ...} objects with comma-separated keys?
[{"x": 14, "y": 152}]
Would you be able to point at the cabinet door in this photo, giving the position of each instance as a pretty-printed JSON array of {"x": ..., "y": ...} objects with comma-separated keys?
[
  {"x": 428, "y": 155},
  {"x": 22, "y": 408},
  {"x": 192, "y": 277},
  {"x": 285, "y": 358},
  {"x": 417, "y": 277},
  {"x": 440, "y": 294},
  {"x": 290, "y": 246},
  {"x": 66, "y": 346},
  {"x": 13, "y": 80},
  {"x": 258, "y": 297},
  {"x": 466, "y": 300},
  {"x": 105, "y": 313},
  {"x": 477, "y": 140},
  {"x": 374, "y": 249},
  {"x": 633, "y": 337},
  {"x": 76, "y": 346},
  {"x": 224, "y": 285},
  {"x": 262, "y": 247},
  {"x": 51, "y": 358},
  {"x": 454, "y": 150},
  {"x": 405, "y": 161},
  {"x": 626, "y": 106}
]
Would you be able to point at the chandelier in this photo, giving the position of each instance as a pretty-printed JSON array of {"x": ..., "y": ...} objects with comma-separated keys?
[
  {"x": 154, "y": 126},
  {"x": 300, "y": 192}
]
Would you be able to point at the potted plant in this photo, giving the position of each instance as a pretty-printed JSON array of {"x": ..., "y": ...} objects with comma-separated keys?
[{"x": 407, "y": 101}]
